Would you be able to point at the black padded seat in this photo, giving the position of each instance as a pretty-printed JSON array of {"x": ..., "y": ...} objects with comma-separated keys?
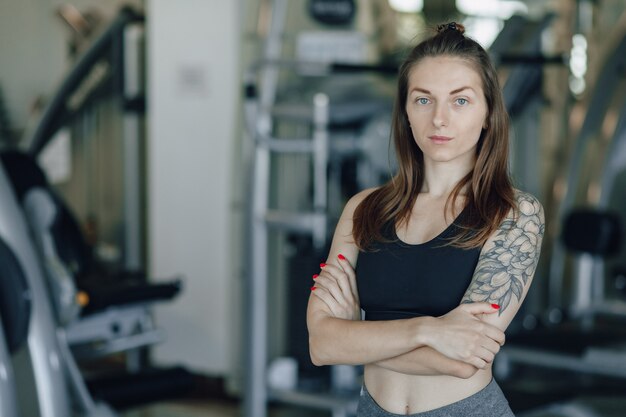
[
  {"x": 592, "y": 231},
  {"x": 103, "y": 288},
  {"x": 125, "y": 292}
]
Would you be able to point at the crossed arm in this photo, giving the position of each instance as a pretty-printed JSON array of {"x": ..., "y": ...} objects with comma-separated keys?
[{"x": 458, "y": 343}]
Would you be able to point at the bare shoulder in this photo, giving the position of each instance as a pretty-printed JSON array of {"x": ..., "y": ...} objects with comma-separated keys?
[
  {"x": 343, "y": 241},
  {"x": 355, "y": 200},
  {"x": 528, "y": 205},
  {"x": 527, "y": 218}
]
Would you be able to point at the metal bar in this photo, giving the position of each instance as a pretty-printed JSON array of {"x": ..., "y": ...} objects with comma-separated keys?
[
  {"x": 347, "y": 403},
  {"x": 320, "y": 164},
  {"x": 303, "y": 222},
  {"x": 75, "y": 379},
  {"x": 286, "y": 145},
  {"x": 132, "y": 148},
  {"x": 604, "y": 90},
  {"x": 322, "y": 68},
  {"x": 57, "y": 107},
  {"x": 122, "y": 344},
  {"x": 52, "y": 392},
  {"x": 255, "y": 398},
  {"x": 8, "y": 396},
  {"x": 560, "y": 361}
]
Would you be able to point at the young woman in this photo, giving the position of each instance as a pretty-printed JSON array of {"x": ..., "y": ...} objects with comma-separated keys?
[{"x": 446, "y": 250}]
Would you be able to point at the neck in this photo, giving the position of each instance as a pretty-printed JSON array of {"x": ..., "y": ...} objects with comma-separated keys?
[{"x": 441, "y": 178}]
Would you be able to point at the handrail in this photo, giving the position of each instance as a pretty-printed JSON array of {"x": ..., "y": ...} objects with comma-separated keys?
[{"x": 56, "y": 110}]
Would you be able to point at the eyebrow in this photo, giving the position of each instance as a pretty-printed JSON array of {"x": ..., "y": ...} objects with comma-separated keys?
[{"x": 458, "y": 90}]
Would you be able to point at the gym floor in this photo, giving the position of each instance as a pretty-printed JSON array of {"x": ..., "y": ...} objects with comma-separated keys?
[
  {"x": 214, "y": 408},
  {"x": 531, "y": 393},
  {"x": 186, "y": 409}
]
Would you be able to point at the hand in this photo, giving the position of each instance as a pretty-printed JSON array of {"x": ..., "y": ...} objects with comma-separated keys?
[
  {"x": 461, "y": 335},
  {"x": 336, "y": 286}
]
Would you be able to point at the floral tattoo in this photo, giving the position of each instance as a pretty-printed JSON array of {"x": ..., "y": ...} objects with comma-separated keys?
[{"x": 508, "y": 262}]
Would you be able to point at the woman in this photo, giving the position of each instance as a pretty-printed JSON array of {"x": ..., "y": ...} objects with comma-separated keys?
[{"x": 446, "y": 250}]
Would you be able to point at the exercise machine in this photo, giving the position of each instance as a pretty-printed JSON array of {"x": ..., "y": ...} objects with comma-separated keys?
[
  {"x": 15, "y": 314},
  {"x": 587, "y": 337},
  {"x": 95, "y": 309}
]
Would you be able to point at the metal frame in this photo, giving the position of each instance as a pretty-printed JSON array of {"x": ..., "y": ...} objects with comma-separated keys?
[
  {"x": 610, "y": 75},
  {"x": 262, "y": 218},
  {"x": 8, "y": 395},
  {"x": 52, "y": 391},
  {"x": 133, "y": 146}
]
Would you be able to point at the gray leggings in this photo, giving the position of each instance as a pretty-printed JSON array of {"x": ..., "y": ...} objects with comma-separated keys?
[{"x": 488, "y": 402}]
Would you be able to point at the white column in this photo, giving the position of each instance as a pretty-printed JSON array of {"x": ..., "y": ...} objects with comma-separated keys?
[{"x": 193, "y": 96}]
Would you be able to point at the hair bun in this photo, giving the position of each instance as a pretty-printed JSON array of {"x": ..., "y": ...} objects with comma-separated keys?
[{"x": 451, "y": 26}]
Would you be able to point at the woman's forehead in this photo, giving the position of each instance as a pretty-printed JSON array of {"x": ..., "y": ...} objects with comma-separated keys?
[{"x": 444, "y": 74}]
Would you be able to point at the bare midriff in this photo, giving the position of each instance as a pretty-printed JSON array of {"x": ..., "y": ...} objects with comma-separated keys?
[{"x": 408, "y": 394}]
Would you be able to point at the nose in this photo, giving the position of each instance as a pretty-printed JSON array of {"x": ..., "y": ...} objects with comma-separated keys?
[{"x": 440, "y": 117}]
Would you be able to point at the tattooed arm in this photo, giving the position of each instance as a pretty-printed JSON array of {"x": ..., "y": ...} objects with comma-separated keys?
[{"x": 508, "y": 261}]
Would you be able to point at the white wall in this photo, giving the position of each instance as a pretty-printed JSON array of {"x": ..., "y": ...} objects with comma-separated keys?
[{"x": 194, "y": 89}]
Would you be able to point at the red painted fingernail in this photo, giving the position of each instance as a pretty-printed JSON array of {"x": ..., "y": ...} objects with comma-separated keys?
[
  {"x": 340, "y": 256},
  {"x": 496, "y": 306},
  {"x": 322, "y": 265},
  {"x": 313, "y": 288},
  {"x": 315, "y": 276}
]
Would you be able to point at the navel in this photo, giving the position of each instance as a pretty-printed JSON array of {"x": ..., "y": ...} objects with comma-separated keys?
[{"x": 407, "y": 410}]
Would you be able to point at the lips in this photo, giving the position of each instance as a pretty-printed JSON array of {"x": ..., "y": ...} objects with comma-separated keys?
[{"x": 440, "y": 139}]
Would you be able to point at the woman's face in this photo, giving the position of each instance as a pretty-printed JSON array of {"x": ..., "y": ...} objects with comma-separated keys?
[{"x": 446, "y": 108}]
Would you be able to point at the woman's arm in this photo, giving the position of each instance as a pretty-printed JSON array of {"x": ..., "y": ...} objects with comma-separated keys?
[
  {"x": 508, "y": 261},
  {"x": 334, "y": 286},
  {"x": 338, "y": 336},
  {"x": 335, "y": 334}
]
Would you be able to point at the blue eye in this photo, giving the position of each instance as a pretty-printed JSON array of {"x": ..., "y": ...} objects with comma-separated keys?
[
  {"x": 422, "y": 100},
  {"x": 462, "y": 101}
]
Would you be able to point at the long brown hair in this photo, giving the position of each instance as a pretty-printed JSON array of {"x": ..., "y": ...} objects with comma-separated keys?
[{"x": 490, "y": 195}]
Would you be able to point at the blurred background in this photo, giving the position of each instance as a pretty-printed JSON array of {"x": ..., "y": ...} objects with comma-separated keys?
[{"x": 171, "y": 173}]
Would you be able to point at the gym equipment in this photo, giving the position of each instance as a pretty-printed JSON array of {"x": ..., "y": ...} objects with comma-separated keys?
[
  {"x": 590, "y": 339},
  {"x": 333, "y": 103},
  {"x": 94, "y": 309},
  {"x": 607, "y": 93},
  {"x": 518, "y": 49},
  {"x": 333, "y": 12},
  {"x": 15, "y": 315},
  {"x": 114, "y": 307},
  {"x": 43, "y": 349},
  {"x": 8, "y": 396},
  {"x": 6, "y": 129}
]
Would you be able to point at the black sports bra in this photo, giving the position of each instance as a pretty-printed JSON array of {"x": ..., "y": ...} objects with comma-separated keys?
[{"x": 398, "y": 280}]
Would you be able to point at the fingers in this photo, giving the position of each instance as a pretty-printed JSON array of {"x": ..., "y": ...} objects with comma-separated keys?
[
  {"x": 340, "y": 277},
  {"x": 477, "y": 362},
  {"x": 332, "y": 286},
  {"x": 328, "y": 291},
  {"x": 461, "y": 335},
  {"x": 479, "y": 356},
  {"x": 326, "y": 297},
  {"x": 480, "y": 308},
  {"x": 345, "y": 264},
  {"x": 494, "y": 334},
  {"x": 492, "y": 347}
]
